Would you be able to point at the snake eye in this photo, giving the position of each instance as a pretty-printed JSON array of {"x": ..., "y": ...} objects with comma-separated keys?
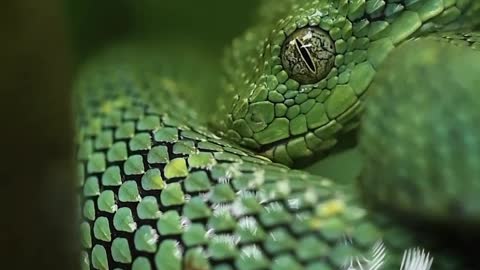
[{"x": 308, "y": 55}]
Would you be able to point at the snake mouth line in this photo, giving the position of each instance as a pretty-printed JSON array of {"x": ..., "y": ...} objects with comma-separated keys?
[
  {"x": 277, "y": 152},
  {"x": 315, "y": 143},
  {"x": 269, "y": 146},
  {"x": 299, "y": 154}
]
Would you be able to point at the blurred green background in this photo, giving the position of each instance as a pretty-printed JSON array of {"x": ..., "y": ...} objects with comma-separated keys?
[{"x": 94, "y": 24}]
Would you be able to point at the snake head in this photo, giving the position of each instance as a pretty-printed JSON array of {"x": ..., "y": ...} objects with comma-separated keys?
[{"x": 296, "y": 82}]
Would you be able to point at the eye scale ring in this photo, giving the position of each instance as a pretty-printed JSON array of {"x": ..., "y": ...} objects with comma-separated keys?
[{"x": 308, "y": 55}]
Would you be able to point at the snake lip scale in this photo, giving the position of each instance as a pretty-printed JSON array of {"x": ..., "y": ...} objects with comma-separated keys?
[{"x": 268, "y": 149}]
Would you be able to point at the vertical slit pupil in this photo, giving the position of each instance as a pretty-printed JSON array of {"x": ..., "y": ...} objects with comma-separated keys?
[{"x": 305, "y": 55}]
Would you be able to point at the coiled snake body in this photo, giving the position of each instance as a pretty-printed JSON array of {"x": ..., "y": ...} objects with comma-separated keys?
[{"x": 165, "y": 187}]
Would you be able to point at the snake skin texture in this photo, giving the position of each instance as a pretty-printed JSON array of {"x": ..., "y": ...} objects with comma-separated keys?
[
  {"x": 163, "y": 187},
  {"x": 160, "y": 192},
  {"x": 441, "y": 182}
]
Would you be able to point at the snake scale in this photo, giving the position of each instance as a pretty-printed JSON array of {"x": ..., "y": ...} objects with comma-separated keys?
[{"x": 163, "y": 186}]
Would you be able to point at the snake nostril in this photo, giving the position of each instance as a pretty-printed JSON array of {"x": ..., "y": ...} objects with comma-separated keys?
[{"x": 255, "y": 117}]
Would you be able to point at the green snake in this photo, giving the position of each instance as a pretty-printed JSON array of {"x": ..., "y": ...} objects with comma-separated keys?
[{"x": 164, "y": 186}]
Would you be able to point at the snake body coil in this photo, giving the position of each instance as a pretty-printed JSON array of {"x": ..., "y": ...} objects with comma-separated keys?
[{"x": 160, "y": 190}]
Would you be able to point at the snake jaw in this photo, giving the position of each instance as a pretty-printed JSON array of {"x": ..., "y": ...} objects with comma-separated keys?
[
  {"x": 299, "y": 148},
  {"x": 308, "y": 129}
]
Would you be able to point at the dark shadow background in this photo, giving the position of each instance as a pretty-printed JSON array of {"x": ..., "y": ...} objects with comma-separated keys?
[
  {"x": 213, "y": 22},
  {"x": 37, "y": 188}
]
